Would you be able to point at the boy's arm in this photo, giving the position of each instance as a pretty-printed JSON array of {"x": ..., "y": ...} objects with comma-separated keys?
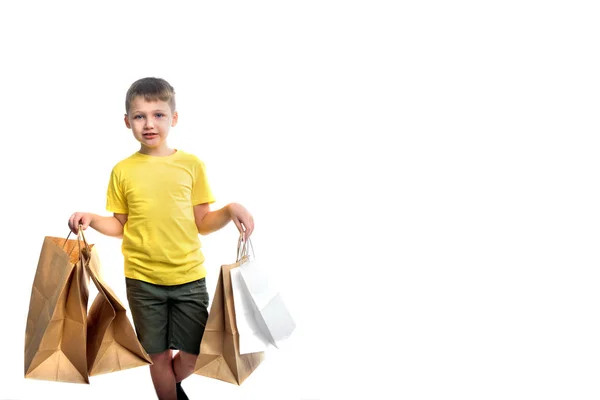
[
  {"x": 210, "y": 221},
  {"x": 110, "y": 226}
]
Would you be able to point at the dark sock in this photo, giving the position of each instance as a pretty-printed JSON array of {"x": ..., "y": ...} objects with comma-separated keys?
[{"x": 180, "y": 393}]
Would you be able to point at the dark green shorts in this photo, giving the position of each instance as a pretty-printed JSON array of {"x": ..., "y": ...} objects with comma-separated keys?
[{"x": 168, "y": 317}]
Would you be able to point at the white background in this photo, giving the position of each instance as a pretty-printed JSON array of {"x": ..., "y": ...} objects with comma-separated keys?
[{"x": 423, "y": 176}]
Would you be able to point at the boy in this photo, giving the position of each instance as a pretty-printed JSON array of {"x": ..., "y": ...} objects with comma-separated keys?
[{"x": 160, "y": 199}]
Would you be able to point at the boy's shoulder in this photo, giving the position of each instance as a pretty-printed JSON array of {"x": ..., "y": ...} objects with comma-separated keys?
[
  {"x": 123, "y": 162},
  {"x": 190, "y": 159},
  {"x": 187, "y": 156}
]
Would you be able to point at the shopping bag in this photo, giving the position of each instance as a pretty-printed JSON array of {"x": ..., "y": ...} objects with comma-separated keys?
[
  {"x": 219, "y": 356},
  {"x": 272, "y": 318},
  {"x": 63, "y": 342},
  {"x": 254, "y": 334},
  {"x": 55, "y": 334},
  {"x": 112, "y": 344}
]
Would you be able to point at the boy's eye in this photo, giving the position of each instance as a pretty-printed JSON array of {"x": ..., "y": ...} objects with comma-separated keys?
[
  {"x": 138, "y": 117},
  {"x": 160, "y": 115}
]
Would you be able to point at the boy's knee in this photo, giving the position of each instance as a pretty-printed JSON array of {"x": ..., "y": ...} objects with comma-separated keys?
[
  {"x": 163, "y": 358},
  {"x": 187, "y": 359}
]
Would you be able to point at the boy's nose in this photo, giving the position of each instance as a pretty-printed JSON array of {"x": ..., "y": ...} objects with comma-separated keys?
[{"x": 149, "y": 123}]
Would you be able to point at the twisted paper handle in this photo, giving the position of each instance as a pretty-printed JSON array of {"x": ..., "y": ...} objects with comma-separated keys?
[{"x": 243, "y": 247}]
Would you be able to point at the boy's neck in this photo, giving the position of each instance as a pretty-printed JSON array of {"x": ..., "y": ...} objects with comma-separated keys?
[{"x": 162, "y": 151}]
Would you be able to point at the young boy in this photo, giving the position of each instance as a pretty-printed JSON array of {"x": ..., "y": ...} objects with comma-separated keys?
[{"x": 160, "y": 197}]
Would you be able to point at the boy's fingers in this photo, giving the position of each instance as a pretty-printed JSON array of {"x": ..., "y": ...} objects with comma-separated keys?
[
  {"x": 238, "y": 224},
  {"x": 250, "y": 226},
  {"x": 74, "y": 223}
]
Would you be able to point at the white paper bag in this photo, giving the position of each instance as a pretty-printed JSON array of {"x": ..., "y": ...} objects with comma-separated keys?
[
  {"x": 274, "y": 322},
  {"x": 250, "y": 326}
]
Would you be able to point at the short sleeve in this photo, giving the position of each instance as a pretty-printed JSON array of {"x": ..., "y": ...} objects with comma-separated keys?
[
  {"x": 201, "y": 192},
  {"x": 115, "y": 198}
]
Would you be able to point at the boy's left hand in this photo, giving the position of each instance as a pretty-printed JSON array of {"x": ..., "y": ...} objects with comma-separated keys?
[{"x": 242, "y": 219}]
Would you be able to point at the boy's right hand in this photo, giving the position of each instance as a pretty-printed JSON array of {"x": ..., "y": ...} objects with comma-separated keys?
[{"x": 79, "y": 218}]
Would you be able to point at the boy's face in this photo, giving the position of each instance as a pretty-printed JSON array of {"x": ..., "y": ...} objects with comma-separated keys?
[{"x": 150, "y": 122}]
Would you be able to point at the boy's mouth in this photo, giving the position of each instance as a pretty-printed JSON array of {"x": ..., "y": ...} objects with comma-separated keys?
[{"x": 150, "y": 134}]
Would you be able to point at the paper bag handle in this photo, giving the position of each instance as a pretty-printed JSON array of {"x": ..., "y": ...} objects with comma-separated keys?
[
  {"x": 242, "y": 248},
  {"x": 80, "y": 237},
  {"x": 87, "y": 246}
]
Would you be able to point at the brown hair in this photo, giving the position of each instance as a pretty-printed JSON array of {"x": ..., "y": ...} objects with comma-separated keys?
[{"x": 152, "y": 89}]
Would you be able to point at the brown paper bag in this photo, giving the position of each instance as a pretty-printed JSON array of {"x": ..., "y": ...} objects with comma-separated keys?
[
  {"x": 55, "y": 335},
  {"x": 62, "y": 341},
  {"x": 219, "y": 356},
  {"x": 112, "y": 343}
]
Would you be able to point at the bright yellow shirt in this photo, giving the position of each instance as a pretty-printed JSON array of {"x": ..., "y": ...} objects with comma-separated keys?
[{"x": 160, "y": 239}]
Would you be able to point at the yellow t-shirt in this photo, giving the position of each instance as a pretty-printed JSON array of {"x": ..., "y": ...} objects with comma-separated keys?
[{"x": 160, "y": 239}]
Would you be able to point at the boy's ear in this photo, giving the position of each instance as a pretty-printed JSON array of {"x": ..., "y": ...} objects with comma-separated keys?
[
  {"x": 175, "y": 119},
  {"x": 127, "y": 124}
]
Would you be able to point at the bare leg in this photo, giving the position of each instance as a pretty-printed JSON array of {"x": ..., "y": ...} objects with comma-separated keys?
[
  {"x": 183, "y": 365},
  {"x": 163, "y": 376}
]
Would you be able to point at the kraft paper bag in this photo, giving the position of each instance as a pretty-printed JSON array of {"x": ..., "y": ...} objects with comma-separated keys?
[
  {"x": 112, "y": 344},
  {"x": 55, "y": 334},
  {"x": 270, "y": 316},
  {"x": 63, "y": 342},
  {"x": 219, "y": 356}
]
